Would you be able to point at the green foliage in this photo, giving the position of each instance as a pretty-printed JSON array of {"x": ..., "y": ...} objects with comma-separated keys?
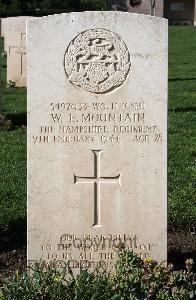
[
  {"x": 93, "y": 4},
  {"x": 33, "y": 6},
  {"x": 131, "y": 279},
  {"x": 9, "y": 5}
]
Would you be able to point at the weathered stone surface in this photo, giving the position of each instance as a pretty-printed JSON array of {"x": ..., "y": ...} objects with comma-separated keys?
[
  {"x": 2, "y": 22},
  {"x": 3, "y": 25},
  {"x": 14, "y": 30},
  {"x": 97, "y": 137}
]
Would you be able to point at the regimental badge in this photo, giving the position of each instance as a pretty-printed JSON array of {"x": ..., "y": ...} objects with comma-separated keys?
[{"x": 97, "y": 60}]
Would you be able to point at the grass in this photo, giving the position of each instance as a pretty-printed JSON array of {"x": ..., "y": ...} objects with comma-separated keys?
[
  {"x": 12, "y": 154},
  {"x": 12, "y": 175},
  {"x": 182, "y": 128}
]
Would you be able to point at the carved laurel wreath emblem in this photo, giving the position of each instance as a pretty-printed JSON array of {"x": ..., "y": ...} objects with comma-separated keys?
[{"x": 97, "y": 60}]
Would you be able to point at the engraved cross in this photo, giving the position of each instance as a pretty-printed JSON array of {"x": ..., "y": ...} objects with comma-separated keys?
[
  {"x": 97, "y": 180},
  {"x": 21, "y": 49}
]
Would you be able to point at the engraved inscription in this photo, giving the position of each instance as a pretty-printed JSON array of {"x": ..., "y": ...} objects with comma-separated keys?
[
  {"x": 99, "y": 122},
  {"x": 92, "y": 251},
  {"x": 97, "y": 179},
  {"x": 97, "y": 60}
]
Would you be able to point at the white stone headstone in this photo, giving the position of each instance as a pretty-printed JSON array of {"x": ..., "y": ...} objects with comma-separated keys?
[
  {"x": 15, "y": 45},
  {"x": 97, "y": 137},
  {"x": 2, "y": 20}
]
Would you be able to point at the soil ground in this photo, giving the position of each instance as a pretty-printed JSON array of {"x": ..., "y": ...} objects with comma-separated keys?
[{"x": 181, "y": 246}]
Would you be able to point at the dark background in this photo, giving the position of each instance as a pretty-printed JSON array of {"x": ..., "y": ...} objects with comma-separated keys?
[{"x": 9, "y": 8}]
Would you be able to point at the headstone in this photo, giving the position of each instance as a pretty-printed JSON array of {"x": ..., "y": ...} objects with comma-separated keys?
[
  {"x": 97, "y": 137},
  {"x": 15, "y": 46},
  {"x": 2, "y": 21}
]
